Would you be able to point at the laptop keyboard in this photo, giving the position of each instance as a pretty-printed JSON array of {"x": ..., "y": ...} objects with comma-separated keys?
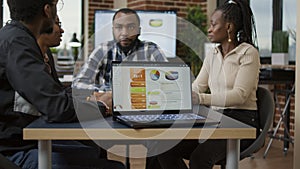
[{"x": 162, "y": 117}]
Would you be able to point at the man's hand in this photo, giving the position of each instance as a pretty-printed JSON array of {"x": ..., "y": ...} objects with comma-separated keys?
[
  {"x": 106, "y": 99},
  {"x": 195, "y": 98}
]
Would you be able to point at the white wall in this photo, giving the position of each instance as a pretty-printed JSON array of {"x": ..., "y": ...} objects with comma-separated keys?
[
  {"x": 86, "y": 28},
  {"x": 297, "y": 97}
]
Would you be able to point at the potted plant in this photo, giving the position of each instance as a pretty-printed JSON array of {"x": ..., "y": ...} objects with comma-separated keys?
[
  {"x": 280, "y": 48},
  {"x": 198, "y": 18}
]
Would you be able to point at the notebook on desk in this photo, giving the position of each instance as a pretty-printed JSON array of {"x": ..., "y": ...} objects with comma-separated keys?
[{"x": 153, "y": 94}]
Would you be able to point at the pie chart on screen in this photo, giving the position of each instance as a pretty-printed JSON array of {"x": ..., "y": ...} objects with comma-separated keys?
[{"x": 154, "y": 75}]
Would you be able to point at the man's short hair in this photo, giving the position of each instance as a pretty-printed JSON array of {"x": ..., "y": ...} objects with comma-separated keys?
[
  {"x": 26, "y": 10},
  {"x": 127, "y": 11}
]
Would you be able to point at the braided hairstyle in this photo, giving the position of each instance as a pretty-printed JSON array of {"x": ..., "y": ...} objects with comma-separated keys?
[{"x": 240, "y": 14}]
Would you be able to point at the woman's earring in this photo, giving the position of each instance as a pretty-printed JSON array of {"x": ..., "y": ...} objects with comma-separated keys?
[{"x": 229, "y": 39}]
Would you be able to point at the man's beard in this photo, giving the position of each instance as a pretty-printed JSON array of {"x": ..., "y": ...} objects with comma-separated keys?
[{"x": 126, "y": 49}]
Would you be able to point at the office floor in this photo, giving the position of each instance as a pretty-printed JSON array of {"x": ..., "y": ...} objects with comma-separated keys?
[{"x": 275, "y": 158}]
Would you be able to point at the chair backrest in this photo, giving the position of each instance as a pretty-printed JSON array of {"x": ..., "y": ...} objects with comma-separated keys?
[
  {"x": 266, "y": 106},
  {"x": 6, "y": 164}
]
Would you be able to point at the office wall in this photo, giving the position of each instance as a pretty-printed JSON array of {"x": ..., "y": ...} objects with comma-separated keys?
[
  {"x": 179, "y": 6},
  {"x": 1, "y": 13},
  {"x": 297, "y": 97}
]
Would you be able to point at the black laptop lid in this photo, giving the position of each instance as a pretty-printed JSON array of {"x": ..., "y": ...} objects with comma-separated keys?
[{"x": 151, "y": 88}]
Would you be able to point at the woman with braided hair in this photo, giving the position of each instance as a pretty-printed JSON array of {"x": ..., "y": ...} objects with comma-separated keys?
[{"x": 230, "y": 72}]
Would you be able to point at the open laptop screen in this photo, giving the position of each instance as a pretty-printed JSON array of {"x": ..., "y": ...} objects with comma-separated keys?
[{"x": 151, "y": 86}]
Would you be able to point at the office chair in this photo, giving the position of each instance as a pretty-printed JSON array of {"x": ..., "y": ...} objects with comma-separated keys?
[
  {"x": 6, "y": 164},
  {"x": 266, "y": 106}
]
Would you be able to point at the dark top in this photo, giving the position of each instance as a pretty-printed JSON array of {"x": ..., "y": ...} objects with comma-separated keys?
[{"x": 27, "y": 90}]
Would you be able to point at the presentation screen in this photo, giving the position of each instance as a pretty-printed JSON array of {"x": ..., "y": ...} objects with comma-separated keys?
[{"x": 156, "y": 26}]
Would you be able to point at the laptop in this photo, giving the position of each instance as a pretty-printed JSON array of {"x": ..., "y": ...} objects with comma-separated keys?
[{"x": 154, "y": 95}]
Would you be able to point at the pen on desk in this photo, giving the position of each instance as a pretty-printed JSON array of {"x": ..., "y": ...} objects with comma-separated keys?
[{"x": 102, "y": 90}]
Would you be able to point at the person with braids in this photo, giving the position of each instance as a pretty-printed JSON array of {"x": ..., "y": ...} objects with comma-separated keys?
[{"x": 231, "y": 72}]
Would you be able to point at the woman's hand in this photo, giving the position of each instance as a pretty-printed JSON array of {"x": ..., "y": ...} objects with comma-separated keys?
[{"x": 195, "y": 98}]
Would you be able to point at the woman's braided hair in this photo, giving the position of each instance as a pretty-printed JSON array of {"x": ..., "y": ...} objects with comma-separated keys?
[{"x": 240, "y": 14}]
